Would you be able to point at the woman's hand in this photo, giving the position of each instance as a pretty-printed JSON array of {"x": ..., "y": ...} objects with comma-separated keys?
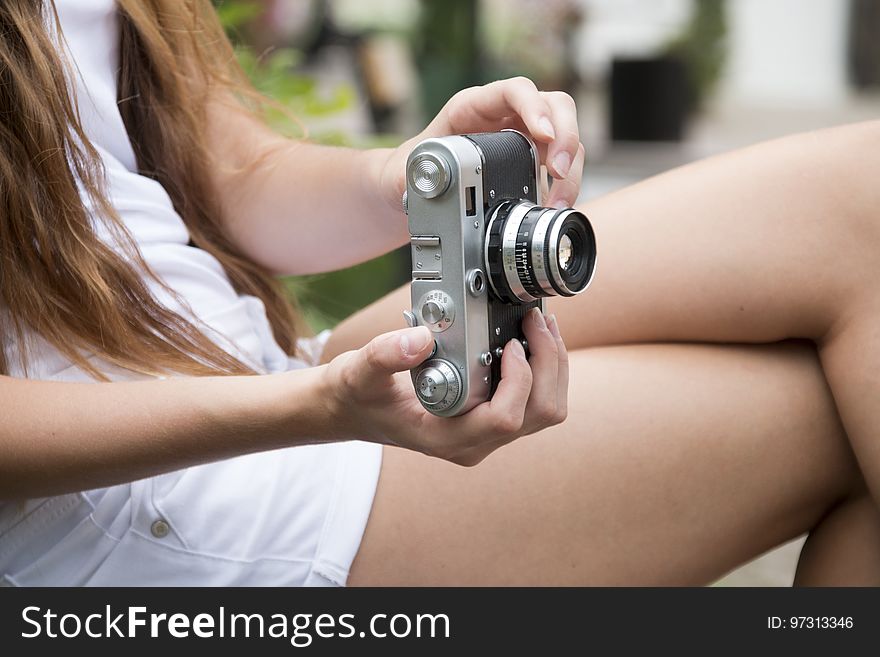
[
  {"x": 371, "y": 395},
  {"x": 549, "y": 118}
]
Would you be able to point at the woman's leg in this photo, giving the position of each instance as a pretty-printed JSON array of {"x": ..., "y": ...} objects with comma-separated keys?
[
  {"x": 843, "y": 549},
  {"x": 777, "y": 241},
  {"x": 676, "y": 464}
]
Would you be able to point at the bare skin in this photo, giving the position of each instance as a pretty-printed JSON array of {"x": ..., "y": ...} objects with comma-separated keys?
[
  {"x": 762, "y": 245},
  {"x": 676, "y": 464},
  {"x": 842, "y": 549}
]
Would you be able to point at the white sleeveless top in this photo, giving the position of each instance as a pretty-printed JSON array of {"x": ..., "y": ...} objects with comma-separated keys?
[
  {"x": 90, "y": 33},
  {"x": 286, "y": 517}
]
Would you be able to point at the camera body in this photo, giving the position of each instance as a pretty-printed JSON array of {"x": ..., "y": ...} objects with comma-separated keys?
[{"x": 484, "y": 253}]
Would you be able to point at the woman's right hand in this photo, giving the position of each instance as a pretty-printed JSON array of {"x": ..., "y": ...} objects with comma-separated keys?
[{"x": 372, "y": 398}]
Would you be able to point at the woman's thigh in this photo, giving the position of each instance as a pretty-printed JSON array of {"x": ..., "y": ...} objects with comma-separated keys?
[{"x": 676, "y": 464}]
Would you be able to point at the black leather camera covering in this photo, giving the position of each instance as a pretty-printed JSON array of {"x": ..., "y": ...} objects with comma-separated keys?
[{"x": 509, "y": 168}]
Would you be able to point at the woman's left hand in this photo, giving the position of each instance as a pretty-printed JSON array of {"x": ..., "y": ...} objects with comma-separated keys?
[{"x": 548, "y": 117}]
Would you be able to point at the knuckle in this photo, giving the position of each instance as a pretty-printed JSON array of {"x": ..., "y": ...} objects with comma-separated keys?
[
  {"x": 347, "y": 374},
  {"x": 506, "y": 424},
  {"x": 523, "y": 83},
  {"x": 561, "y": 414},
  {"x": 346, "y": 378},
  {"x": 371, "y": 354},
  {"x": 546, "y": 412},
  {"x": 467, "y": 460},
  {"x": 563, "y": 97},
  {"x": 463, "y": 94}
]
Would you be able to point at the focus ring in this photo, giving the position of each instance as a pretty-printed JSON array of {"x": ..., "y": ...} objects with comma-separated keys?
[{"x": 525, "y": 265}]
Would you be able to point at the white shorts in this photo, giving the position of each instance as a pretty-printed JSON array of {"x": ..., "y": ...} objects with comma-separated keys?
[
  {"x": 289, "y": 517},
  {"x": 286, "y": 518}
]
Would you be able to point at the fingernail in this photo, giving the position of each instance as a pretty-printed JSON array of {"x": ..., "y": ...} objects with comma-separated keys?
[
  {"x": 560, "y": 205},
  {"x": 538, "y": 319},
  {"x": 515, "y": 347},
  {"x": 553, "y": 326},
  {"x": 562, "y": 163},
  {"x": 413, "y": 341},
  {"x": 546, "y": 127}
]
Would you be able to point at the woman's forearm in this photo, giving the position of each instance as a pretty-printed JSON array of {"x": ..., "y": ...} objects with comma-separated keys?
[
  {"x": 311, "y": 208},
  {"x": 297, "y": 207},
  {"x": 62, "y": 437}
]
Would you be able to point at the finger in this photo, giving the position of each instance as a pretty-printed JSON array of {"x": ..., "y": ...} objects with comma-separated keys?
[
  {"x": 389, "y": 353},
  {"x": 482, "y": 108},
  {"x": 544, "y": 361},
  {"x": 543, "y": 185},
  {"x": 502, "y": 417},
  {"x": 563, "y": 149},
  {"x": 564, "y": 193},
  {"x": 562, "y": 387}
]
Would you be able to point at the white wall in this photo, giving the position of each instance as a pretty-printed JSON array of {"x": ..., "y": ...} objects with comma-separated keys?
[
  {"x": 786, "y": 52},
  {"x": 633, "y": 28}
]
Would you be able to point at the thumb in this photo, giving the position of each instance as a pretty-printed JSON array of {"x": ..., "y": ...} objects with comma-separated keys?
[{"x": 394, "y": 352}]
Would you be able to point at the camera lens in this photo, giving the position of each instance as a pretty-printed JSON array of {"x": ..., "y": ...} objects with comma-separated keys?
[{"x": 534, "y": 252}]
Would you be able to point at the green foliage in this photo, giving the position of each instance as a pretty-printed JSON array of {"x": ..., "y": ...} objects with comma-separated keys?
[
  {"x": 274, "y": 75},
  {"x": 233, "y": 15},
  {"x": 325, "y": 299},
  {"x": 703, "y": 46},
  {"x": 448, "y": 51}
]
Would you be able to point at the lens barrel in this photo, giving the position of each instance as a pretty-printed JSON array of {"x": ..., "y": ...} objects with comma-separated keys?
[{"x": 534, "y": 252}]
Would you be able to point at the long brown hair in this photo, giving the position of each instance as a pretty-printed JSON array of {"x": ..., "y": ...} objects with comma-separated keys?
[{"x": 57, "y": 278}]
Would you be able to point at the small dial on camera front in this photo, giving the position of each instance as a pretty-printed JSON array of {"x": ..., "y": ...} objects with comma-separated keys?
[
  {"x": 437, "y": 310},
  {"x": 438, "y": 385}
]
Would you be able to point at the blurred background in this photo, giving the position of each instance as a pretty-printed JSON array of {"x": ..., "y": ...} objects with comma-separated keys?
[{"x": 658, "y": 83}]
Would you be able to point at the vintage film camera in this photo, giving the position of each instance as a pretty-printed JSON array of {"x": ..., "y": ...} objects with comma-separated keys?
[{"x": 484, "y": 253}]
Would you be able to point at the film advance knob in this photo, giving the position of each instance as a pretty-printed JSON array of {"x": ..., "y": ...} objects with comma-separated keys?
[{"x": 437, "y": 384}]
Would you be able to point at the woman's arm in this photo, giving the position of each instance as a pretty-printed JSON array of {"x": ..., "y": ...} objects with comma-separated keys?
[
  {"x": 60, "y": 437},
  {"x": 298, "y": 208}
]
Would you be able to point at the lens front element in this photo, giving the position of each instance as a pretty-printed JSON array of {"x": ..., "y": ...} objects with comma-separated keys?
[{"x": 565, "y": 251}]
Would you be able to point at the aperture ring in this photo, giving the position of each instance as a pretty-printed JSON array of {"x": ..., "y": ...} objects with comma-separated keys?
[{"x": 527, "y": 233}]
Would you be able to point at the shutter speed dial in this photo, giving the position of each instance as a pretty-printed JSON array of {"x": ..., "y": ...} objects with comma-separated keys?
[
  {"x": 437, "y": 310},
  {"x": 438, "y": 384}
]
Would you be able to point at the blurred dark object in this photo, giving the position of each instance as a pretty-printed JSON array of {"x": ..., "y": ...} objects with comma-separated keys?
[
  {"x": 651, "y": 99},
  {"x": 702, "y": 46},
  {"x": 389, "y": 80},
  {"x": 864, "y": 44},
  {"x": 447, "y": 51}
]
